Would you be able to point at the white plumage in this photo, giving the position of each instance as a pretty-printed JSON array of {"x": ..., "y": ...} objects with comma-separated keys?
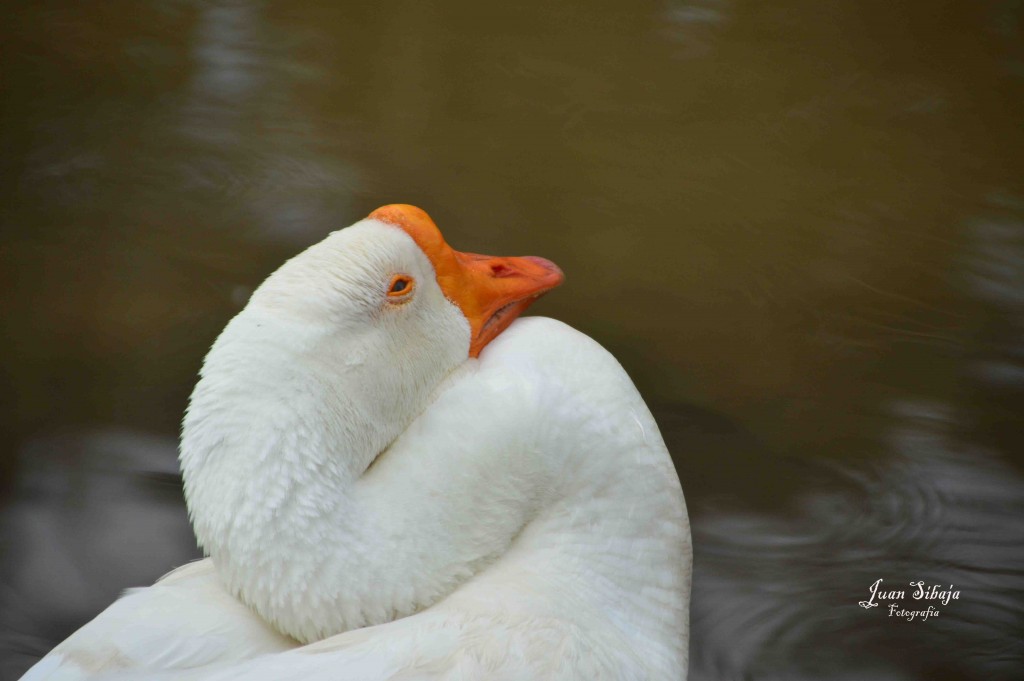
[{"x": 376, "y": 504}]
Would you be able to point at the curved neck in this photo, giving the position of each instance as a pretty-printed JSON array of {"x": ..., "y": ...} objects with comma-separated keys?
[
  {"x": 581, "y": 508},
  {"x": 317, "y": 513}
]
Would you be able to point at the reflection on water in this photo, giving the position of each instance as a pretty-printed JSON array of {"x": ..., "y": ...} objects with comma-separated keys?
[
  {"x": 775, "y": 596},
  {"x": 94, "y": 513},
  {"x": 249, "y": 135},
  {"x": 994, "y": 273},
  {"x": 783, "y": 218}
]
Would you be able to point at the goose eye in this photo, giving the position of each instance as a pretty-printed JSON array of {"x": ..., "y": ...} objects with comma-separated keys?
[{"x": 401, "y": 286}]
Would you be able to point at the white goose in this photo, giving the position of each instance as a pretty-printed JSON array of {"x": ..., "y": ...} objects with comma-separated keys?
[{"x": 382, "y": 500}]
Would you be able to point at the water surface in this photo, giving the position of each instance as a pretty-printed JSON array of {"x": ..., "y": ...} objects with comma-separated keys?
[{"x": 798, "y": 224}]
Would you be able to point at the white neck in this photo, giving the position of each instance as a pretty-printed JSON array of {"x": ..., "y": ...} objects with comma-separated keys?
[{"x": 576, "y": 506}]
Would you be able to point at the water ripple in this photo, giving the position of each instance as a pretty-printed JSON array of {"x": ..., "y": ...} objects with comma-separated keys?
[{"x": 775, "y": 595}]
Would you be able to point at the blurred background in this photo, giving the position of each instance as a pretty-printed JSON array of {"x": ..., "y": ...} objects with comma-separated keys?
[{"x": 799, "y": 225}]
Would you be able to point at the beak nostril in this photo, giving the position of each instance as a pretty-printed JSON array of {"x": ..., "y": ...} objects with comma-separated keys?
[{"x": 498, "y": 270}]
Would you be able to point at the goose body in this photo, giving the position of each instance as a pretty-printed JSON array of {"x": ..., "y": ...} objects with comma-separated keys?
[{"x": 408, "y": 484}]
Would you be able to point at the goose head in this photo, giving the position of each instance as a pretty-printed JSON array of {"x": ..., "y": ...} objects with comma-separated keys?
[{"x": 393, "y": 277}]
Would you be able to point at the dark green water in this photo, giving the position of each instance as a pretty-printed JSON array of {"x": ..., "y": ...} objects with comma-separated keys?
[{"x": 798, "y": 224}]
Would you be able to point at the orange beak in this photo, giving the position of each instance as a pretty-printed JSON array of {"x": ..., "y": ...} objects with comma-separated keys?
[{"x": 490, "y": 291}]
